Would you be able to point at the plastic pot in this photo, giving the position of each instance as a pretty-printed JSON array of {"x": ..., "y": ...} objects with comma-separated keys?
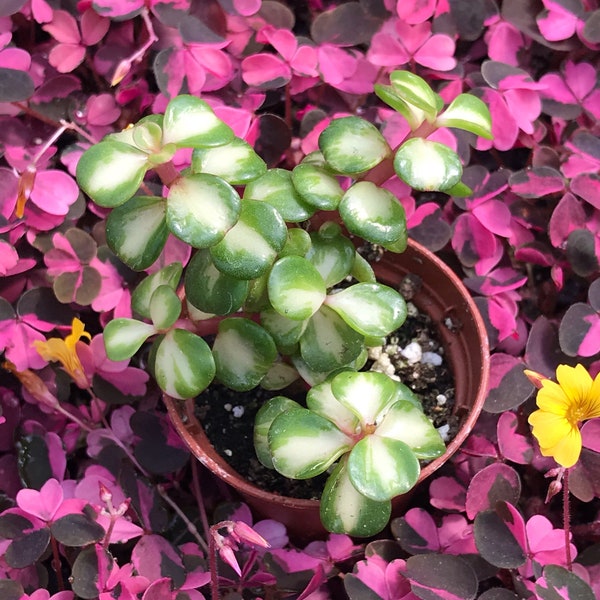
[{"x": 443, "y": 297}]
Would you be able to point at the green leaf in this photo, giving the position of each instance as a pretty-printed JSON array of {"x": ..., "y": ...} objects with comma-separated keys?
[
  {"x": 414, "y": 116},
  {"x": 416, "y": 91},
  {"x": 123, "y": 337},
  {"x": 191, "y": 123},
  {"x": 362, "y": 270},
  {"x": 201, "y": 209},
  {"x": 382, "y": 468},
  {"x": 470, "y": 113},
  {"x": 147, "y": 136},
  {"x": 140, "y": 299},
  {"x": 183, "y": 364},
  {"x": 137, "y": 231},
  {"x": 244, "y": 353},
  {"x": 368, "y": 394},
  {"x": 409, "y": 424},
  {"x": 265, "y": 416},
  {"x": 372, "y": 309},
  {"x": 111, "y": 172},
  {"x": 320, "y": 400},
  {"x": 373, "y": 213},
  {"x": 304, "y": 444},
  {"x": 250, "y": 247},
  {"x": 298, "y": 242},
  {"x": 352, "y": 145},
  {"x": 345, "y": 510},
  {"x": 235, "y": 162},
  {"x": 285, "y": 332},
  {"x": 210, "y": 290},
  {"x": 296, "y": 289},
  {"x": 276, "y": 188},
  {"x": 328, "y": 343},
  {"x": 459, "y": 190},
  {"x": 427, "y": 166},
  {"x": 165, "y": 307},
  {"x": 279, "y": 376},
  {"x": 333, "y": 258},
  {"x": 317, "y": 187}
]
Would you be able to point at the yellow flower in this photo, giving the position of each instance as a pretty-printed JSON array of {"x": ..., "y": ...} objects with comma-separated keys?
[
  {"x": 563, "y": 406},
  {"x": 64, "y": 351}
]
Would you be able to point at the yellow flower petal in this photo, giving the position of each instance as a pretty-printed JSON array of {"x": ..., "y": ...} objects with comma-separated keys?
[
  {"x": 548, "y": 428},
  {"x": 566, "y": 452},
  {"x": 575, "y": 381},
  {"x": 553, "y": 398}
]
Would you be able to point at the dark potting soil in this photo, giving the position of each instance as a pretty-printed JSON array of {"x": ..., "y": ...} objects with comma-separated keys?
[{"x": 417, "y": 357}]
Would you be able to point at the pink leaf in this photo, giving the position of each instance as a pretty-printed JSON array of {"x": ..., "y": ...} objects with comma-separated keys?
[
  {"x": 387, "y": 51},
  {"x": 151, "y": 554},
  {"x": 66, "y": 57},
  {"x": 63, "y": 28},
  {"x": 93, "y": 27},
  {"x": 117, "y": 8},
  {"x": 556, "y": 25},
  {"x": 265, "y": 70},
  {"x": 495, "y": 216},
  {"x": 590, "y": 344},
  {"x": 495, "y": 482},
  {"x": 122, "y": 530},
  {"x": 283, "y": 40},
  {"x": 447, "y": 493},
  {"x": 504, "y": 42},
  {"x": 580, "y": 77},
  {"x": 415, "y": 11},
  {"x": 587, "y": 185},
  {"x": 590, "y": 435},
  {"x": 335, "y": 64},
  {"x": 305, "y": 61},
  {"x": 514, "y": 521},
  {"x": 437, "y": 53},
  {"x": 54, "y": 192},
  {"x": 247, "y": 7},
  {"x": 422, "y": 523},
  {"x": 43, "y": 503},
  {"x": 513, "y": 446},
  {"x": 102, "y": 110}
]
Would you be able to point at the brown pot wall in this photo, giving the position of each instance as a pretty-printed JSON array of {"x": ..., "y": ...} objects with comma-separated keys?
[{"x": 444, "y": 298}]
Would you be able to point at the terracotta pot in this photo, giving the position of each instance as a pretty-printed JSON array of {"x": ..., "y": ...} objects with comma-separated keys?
[{"x": 443, "y": 297}]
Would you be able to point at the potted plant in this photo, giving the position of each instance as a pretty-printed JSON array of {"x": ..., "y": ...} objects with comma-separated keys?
[{"x": 274, "y": 285}]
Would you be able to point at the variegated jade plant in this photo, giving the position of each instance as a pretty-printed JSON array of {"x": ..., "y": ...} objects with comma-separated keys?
[
  {"x": 274, "y": 283},
  {"x": 372, "y": 425}
]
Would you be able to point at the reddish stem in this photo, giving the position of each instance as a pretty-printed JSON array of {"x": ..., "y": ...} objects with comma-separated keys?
[
  {"x": 56, "y": 564},
  {"x": 212, "y": 566},
  {"x": 567, "y": 520}
]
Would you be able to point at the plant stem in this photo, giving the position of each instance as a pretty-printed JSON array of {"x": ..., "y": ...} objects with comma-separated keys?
[
  {"x": 567, "y": 520},
  {"x": 200, "y": 499},
  {"x": 212, "y": 567},
  {"x": 56, "y": 565}
]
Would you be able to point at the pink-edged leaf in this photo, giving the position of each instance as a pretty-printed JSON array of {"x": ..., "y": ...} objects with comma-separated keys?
[
  {"x": 15, "y": 58},
  {"x": 500, "y": 536},
  {"x": 56, "y": 454},
  {"x": 504, "y": 42},
  {"x": 118, "y": 8},
  {"x": 441, "y": 576},
  {"x": 54, "y": 191},
  {"x": 437, "y": 53},
  {"x": 265, "y": 71},
  {"x": 568, "y": 216},
  {"x": 493, "y": 483},
  {"x": 154, "y": 558},
  {"x": 238, "y": 119},
  {"x": 590, "y": 435},
  {"x": 456, "y": 535},
  {"x": 122, "y": 529},
  {"x": 93, "y": 27},
  {"x": 17, "y": 339},
  {"x": 580, "y": 77},
  {"x": 495, "y": 216},
  {"x": 207, "y": 68},
  {"x": 475, "y": 245},
  {"x": 504, "y": 125},
  {"x": 417, "y": 532},
  {"x": 161, "y": 589},
  {"x": 66, "y": 57},
  {"x": 316, "y": 581},
  {"x": 525, "y": 106},
  {"x": 497, "y": 281},
  {"x": 63, "y": 28},
  {"x": 536, "y": 182},
  {"x": 513, "y": 445},
  {"x": 579, "y": 331},
  {"x": 8, "y": 258},
  {"x": 447, "y": 493},
  {"x": 415, "y": 11},
  {"x": 44, "y": 503},
  {"x": 508, "y": 386},
  {"x": 587, "y": 185}
]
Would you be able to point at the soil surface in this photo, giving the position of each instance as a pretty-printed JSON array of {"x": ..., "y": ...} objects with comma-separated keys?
[{"x": 414, "y": 352}]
